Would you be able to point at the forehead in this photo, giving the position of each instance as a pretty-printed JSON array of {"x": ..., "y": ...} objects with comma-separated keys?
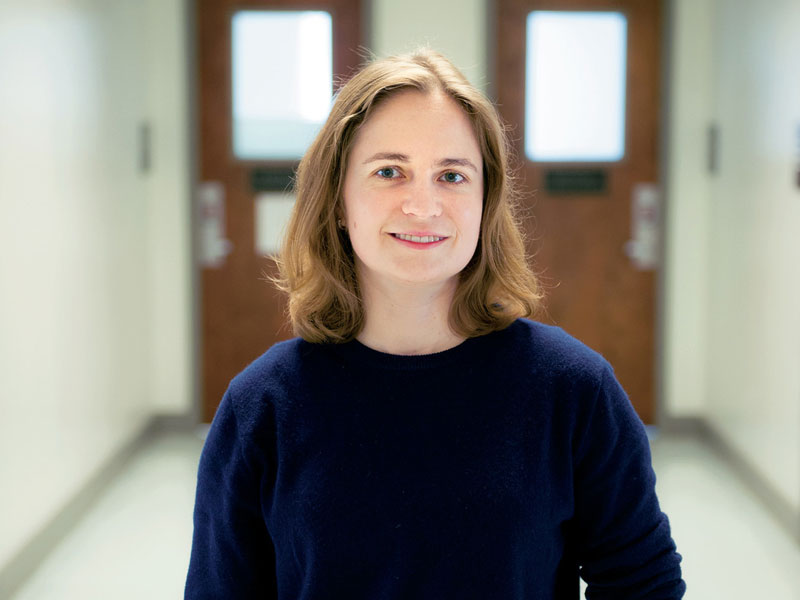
[{"x": 411, "y": 118}]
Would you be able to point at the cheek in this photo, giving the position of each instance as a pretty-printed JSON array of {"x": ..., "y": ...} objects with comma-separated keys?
[
  {"x": 474, "y": 218},
  {"x": 355, "y": 216},
  {"x": 360, "y": 217}
]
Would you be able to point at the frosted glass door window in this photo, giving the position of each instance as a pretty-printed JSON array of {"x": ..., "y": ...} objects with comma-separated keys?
[
  {"x": 282, "y": 81},
  {"x": 575, "y": 86}
]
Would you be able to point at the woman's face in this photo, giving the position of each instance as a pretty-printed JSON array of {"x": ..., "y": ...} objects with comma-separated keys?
[{"x": 413, "y": 191}]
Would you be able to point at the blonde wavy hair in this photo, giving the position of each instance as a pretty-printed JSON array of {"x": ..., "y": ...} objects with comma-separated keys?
[{"x": 316, "y": 265}]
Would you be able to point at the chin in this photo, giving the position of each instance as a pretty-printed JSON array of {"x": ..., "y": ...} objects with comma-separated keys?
[{"x": 427, "y": 278}]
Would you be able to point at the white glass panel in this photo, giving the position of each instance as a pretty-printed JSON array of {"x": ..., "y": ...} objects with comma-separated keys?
[
  {"x": 273, "y": 211},
  {"x": 282, "y": 81},
  {"x": 575, "y": 86}
]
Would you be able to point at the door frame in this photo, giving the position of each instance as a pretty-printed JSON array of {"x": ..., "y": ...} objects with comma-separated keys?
[
  {"x": 663, "y": 419},
  {"x": 194, "y": 415}
]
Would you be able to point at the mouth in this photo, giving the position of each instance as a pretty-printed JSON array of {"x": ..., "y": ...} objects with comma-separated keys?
[{"x": 418, "y": 239}]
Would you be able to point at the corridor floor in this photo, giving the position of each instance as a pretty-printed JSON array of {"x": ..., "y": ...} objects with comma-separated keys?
[{"x": 135, "y": 542}]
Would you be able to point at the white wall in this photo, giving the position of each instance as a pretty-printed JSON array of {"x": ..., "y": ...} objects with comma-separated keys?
[
  {"x": 88, "y": 303},
  {"x": 169, "y": 225},
  {"x": 457, "y": 29},
  {"x": 733, "y": 281},
  {"x": 753, "y": 356},
  {"x": 687, "y": 228}
]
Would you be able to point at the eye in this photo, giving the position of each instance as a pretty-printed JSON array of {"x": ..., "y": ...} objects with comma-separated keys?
[
  {"x": 387, "y": 173},
  {"x": 453, "y": 177}
]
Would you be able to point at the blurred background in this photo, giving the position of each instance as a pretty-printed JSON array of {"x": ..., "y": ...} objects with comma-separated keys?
[{"x": 146, "y": 152}]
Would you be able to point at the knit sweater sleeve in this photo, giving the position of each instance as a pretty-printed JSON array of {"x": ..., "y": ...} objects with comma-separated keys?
[
  {"x": 232, "y": 552},
  {"x": 625, "y": 548}
]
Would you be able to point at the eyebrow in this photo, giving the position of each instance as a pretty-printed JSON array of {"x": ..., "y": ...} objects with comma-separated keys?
[{"x": 445, "y": 162}]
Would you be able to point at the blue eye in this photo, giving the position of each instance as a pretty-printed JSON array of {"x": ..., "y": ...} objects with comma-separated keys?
[
  {"x": 387, "y": 172},
  {"x": 453, "y": 177}
]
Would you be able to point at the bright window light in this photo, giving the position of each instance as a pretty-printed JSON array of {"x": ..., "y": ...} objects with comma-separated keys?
[
  {"x": 575, "y": 86},
  {"x": 282, "y": 81}
]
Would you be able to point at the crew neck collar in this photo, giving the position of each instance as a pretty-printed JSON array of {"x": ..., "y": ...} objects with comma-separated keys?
[{"x": 356, "y": 352}]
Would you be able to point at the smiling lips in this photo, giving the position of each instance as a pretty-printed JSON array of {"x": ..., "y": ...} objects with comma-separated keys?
[{"x": 418, "y": 239}]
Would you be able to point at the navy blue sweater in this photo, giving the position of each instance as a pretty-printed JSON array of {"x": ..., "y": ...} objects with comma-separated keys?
[{"x": 498, "y": 469}]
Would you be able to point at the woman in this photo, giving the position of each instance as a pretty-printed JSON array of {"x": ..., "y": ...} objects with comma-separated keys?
[{"x": 422, "y": 439}]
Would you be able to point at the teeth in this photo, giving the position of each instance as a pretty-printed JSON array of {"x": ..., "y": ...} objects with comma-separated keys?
[{"x": 425, "y": 239}]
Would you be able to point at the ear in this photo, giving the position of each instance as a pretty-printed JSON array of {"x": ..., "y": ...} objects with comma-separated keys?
[
  {"x": 340, "y": 214},
  {"x": 341, "y": 217}
]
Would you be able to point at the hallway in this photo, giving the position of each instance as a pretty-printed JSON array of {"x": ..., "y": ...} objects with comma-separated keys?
[
  {"x": 101, "y": 278},
  {"x": 135, "y": 542}
]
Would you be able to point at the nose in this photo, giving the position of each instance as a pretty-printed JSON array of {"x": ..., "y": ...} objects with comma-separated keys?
[{"x": 422, "y": 200}]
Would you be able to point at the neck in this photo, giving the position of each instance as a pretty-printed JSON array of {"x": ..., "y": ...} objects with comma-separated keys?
[{"x": 409, "y": 319}]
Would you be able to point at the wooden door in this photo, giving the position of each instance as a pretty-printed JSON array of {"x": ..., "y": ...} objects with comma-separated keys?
[
  {"x": 242, "y": 314},
  {"x": 579, "y": 239}
]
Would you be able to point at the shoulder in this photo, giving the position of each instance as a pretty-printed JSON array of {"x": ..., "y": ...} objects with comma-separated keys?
[
  {"x": 580, "y": 382},
  {"x": 276, "y": 364},
  {"x": 253, "y": 393},
  {"x": 552, "y": 351}
]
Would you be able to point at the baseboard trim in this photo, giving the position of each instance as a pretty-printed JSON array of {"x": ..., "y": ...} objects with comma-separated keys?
[{"x": 14, "y": 573}]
